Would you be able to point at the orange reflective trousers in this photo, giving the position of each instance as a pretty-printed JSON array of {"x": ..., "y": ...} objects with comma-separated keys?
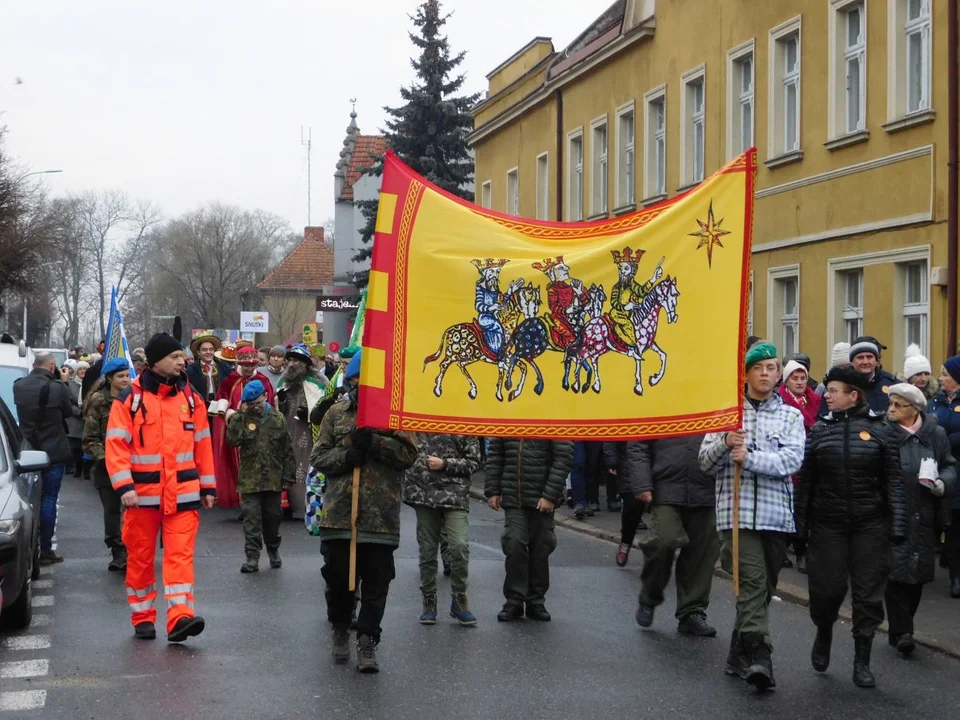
[{"x": 140, "y": 527}]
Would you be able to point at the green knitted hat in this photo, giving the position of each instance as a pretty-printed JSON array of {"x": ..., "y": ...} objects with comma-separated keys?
[{"x": 759, "y": 352}]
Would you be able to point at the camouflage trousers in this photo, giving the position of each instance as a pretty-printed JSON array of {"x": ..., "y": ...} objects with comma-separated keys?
[
  {"x": 261, "y": 521},
  {"x": 435, "y": 528}
]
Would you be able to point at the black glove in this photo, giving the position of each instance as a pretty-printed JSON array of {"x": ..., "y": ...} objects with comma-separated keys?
[
  {"x": 302, "y": 413},
  {"x": 361, "y": 439},
  {"x": 355, "y": 457}
]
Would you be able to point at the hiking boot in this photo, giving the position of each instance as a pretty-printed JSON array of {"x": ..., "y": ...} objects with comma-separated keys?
[
  {"x": 511, "y": 611},
  {"x": 759, "y": 670},
  {"x": 145, "y": 631},
  {"x": 341, "y": 644},
  {"x": 696, "y": 624},
  {"x": 367, "y": 654},
  {"x": 736, "y": 659},
  {"x": 252, "y": 565},
  {"x": 644, "y": 615},
  {"x": 623, "y": 553},
  {"x": 955, "y": 587},
  {"x": 49, "y": 557},
  {"x": 429, "y": 614},
  {"x": 862, "y": 677},
  {"x": 460, "y": 609},
  {"x": 820, "y": 655},
  {"x": 275, "y": 561},
  {"x": 186, "y": 627},
  {"x": 580, "y": 511},
  {"x": 906, "y": 644},
  {"x": 118, "y": 559},
  {"x": 802, "y": 563},
  {"x": 538, "y": 611}
]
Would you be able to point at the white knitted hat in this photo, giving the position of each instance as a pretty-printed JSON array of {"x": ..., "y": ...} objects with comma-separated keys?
[
  {"x": 791, "y": 367},
  {"x": 909, "y": 393},
  {"x": 915, "y": 362},
  {"x": 841, "y": 354}
]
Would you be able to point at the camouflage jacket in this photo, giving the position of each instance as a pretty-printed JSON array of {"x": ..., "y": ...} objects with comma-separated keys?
[
  {"x": 381, "y": 478},
  {"x": 95, "y": 423},
  {"x": 266, "y": 453},
  {"x": 447, "y": 489}
]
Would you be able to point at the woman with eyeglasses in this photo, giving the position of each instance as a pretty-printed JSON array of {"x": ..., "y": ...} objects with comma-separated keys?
[{"x": 929, "y": 472}]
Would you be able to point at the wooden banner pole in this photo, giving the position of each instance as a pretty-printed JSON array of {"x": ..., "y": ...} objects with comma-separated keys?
[
  {"x": 736, "y": 529},
  {"x": 354, "y": 509}
]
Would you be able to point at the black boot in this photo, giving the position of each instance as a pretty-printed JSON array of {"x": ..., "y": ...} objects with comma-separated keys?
[
  {"x": 736, "y": 658},
  {"x": 862, "y": 677},
  {"x": 341, "y": 644},
  {"x": 955, "y": 586},
  {"x": 759, "y": 670},
  {"x": 820, "y": 655}
]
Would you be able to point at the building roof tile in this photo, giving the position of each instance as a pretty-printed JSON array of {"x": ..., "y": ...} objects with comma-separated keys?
[
  {"x": 307, "y": 268},
  {"x": 365, "y": 153}
]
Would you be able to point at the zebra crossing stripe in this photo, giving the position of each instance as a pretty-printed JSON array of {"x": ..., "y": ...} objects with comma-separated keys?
[
  {"x": 21, "y": 700},
  {"x": 24, "y": 668},
  {"x": 26, "y": 642},
  {"x": 42, "y": 601},
  {"x": 42, "y": 584}
]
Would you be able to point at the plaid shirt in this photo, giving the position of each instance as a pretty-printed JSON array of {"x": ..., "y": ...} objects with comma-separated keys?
[{"x": 775, "y": 441}]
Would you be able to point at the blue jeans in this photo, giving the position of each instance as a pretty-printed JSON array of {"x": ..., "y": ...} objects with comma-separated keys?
[
  {"x": 51, "y": 479},
  {"x": 578, "y": 474}
]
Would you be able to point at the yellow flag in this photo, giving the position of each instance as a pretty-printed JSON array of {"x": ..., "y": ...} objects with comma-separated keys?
[{"x": 480, "y": 323}]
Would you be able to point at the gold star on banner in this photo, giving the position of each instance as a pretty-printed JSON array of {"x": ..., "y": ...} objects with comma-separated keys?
[{"x": 710, "y": 234}]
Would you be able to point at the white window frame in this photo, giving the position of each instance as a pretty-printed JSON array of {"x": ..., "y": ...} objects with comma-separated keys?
[
  {"x": 777, "y": 317},
  {"x": 626, "y": 161},
  {"x": 543, "y": 186},
  {"x": 655, "y": 141},
  {"x": 919, "y": 309},
  {"x": 599, "y": 167},
  {"x": 575, "y": 176},
  {"x": 841, "y": 54},
  {"x": 899, "y": 29},
  {"x": 513, "y": 192},
  {"x": 486, "y": 194},
  {"x": 779, "y": 146},
  {"x": 750, "y": 306},
  {"x": 737, "y": 98},
  {"x": 852, "y": 313},
  {"x": 692, "y": 158}
]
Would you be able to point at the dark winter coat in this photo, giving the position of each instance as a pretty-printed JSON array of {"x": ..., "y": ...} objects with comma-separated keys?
[
  {"x": 913, "y": 560},
  {"x": 199, "y": 381},
  {"x": 947, "y": 413},
  {"x": 851, "y": 474},
  {"x": 669, "y": 468},
  {"x": 877, "y": 389},
  {"x": 523, "y": 471},
  {"x": 447, "y": 489},
  {"x": 75, "y": 420},
  {"x": 44, "y": 426}
]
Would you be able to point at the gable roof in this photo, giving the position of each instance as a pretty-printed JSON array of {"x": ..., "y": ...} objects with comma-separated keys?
[
  {"x": 366, "y": 150},
  {"x": 307, "y": 268}
]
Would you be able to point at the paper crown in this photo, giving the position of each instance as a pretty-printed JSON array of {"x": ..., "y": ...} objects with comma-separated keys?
[
  {"x": 548, "y": 264},
  {"x": 489, "y": 263},
  {"x": 627, "y": 256}
]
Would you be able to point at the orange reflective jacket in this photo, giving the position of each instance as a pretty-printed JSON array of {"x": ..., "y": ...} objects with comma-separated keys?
[{"x": 158, "y": 443}]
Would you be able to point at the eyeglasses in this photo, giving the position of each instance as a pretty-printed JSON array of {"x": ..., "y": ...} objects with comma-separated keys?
[{"x": 899, "y": 406}]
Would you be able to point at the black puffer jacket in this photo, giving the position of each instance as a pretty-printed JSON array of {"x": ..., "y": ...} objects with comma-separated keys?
[
  {"x": 669, "y": 468},
  {"x": 851, "y": 474},
  {"x": 523, "y": 471}
]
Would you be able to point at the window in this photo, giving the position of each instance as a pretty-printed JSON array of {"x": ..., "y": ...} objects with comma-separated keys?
[
  {"x": 750, "y": 307},
  {"x": 852, "y": 305},
  {"x": 915, "y": 304},
  {"x": 513, "y": 192},
  {"x": 783, "y": 308},
  {"x": 543, "y": 187},
  {"x": 655, "y": 172},
  {"x": 692, "y": 139},
  {"x": 486, "y": 195},
  {"x": 784, "y": 82},
  {"x": 626, "y": 157},
  {"x": 740, "y": 99},
  {"x": 848, "y": 62},
  {"x": 575, "y": 176},
  {"x": 598, "y": 177},
  {"x": 909, "y": 57}
]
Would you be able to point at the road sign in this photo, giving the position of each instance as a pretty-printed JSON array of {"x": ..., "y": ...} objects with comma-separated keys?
[{"x": 258, "y": 321}]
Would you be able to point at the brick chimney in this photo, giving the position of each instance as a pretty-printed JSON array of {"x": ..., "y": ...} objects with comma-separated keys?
[{"x": 313, "y": 233}]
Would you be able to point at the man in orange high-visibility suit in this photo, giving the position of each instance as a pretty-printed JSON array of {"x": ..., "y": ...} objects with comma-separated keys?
[{"x": 160, "y": 461}]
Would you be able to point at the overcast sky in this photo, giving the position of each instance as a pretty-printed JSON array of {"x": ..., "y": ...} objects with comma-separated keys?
[{"x": 187, "y": 102}]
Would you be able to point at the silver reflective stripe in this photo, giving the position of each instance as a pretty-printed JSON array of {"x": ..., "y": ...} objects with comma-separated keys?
[
  {"x": 145, "y": 459},
  {"x": 188, "y": 497},
  {"x": 202, "y": 435},
  {"x": 120, "y": 433},
  {"x": 148, "y": 501},
  {"x": 184, "y": 457},
  {"x": 121, "y": 475},
  {"x": 177, "y": 589},
  {"x": 141, "y": 593},
  {"x": 141, "y": 606},
  {"x": 179, "y": 600},
  {"x": 208, "y": 479}
]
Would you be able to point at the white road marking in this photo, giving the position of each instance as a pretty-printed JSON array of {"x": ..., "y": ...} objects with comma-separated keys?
[
  {"x": 22, "y": 700},
  {"x": 24, "y": 668},
  {"x": 42, "y": 601},
  {"x": 42, "y": 584},
  {"x": 40, "y": 621},
  {"x": 46, "y": 570},
  {"x": 26, "y": 642}
]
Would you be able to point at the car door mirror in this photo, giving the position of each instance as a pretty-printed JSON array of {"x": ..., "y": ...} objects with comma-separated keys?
[{"x": 33, "y": 461}]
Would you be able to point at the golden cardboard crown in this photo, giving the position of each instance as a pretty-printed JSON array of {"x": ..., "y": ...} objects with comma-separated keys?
[
  {"x": 548, "y": 264},
  {"x": 488, "y": 263}
]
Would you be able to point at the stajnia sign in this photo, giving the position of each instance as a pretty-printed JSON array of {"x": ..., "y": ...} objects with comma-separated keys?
[{"x": 337, "y": 303}]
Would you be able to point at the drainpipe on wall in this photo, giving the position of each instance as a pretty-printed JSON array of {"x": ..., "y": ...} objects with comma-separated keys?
[
  {"x": 953, "y": 121},
  {"x": 558, "y": 95}
]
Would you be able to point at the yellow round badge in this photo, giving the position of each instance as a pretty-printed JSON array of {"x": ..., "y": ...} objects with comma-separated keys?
[
  {"x": 886, "y": 390},
  {"x": 864, "y": 435},
  {"x": 184, "y": 408},
  {"x": 253, "y": 426},
  {"x": 957, "y": 408}
]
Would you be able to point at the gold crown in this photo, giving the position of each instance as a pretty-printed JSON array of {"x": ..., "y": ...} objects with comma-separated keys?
[
  {"x": 548, "y": 264},
  {"x": 488, "y": 263},
  {"x": 627, "y": 256}
]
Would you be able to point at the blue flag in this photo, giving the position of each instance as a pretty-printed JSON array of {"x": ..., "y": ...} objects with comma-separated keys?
[{"x": 115, "y": 345}]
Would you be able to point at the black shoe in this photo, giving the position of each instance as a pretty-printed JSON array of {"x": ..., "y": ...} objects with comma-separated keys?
[
  {"x": 592, "y": 508},
  {"x": 510, "y": 612},
  {"x": 186, "y": 627},
  {"x": 862, "y": 677},
  {"x": 275, "y": 561},
  {"x": 538, "y": 612},
  {"x": 118, "y": 559},
  {"x": 341, "y": 644},
  {"x": 736, "y": 659},
  {"x": 906, "y": 644},
  {"x": 820, "y": 654},
  {"x": 145, "y": 631},
  {"x": 696, "y": 624},
  {"x": 644, "y": 615},
  {"x": 367, "y": 654},
  {"x": 759, "y": 671},
  {"x": 955, "y": 587},
  {"x": 580, "y": 511},
  {"x": 252, "y": 565},
  {"x": 787, "y": 562},
  {"x": 802, "y": 563}
]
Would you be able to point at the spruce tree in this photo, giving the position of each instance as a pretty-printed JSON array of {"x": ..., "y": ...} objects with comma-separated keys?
[{"x": 429, "y": 130}]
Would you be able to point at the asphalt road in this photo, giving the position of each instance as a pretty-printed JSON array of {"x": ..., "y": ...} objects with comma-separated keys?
[{"x": 265, "y": 652}]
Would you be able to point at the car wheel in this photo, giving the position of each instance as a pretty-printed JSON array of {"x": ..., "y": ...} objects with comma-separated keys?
[{"x": 20, "y": 614}]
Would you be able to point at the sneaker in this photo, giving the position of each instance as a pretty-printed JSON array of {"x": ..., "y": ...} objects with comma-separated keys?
[
  {"x": 580, "y": 511},
  {"x": 275, "y": 561},
  {"x": 429, "y": 614},
  {"x": 367, "y": 654},
  {"x": 623, "y": 552},
  {"x": 341, "y": 644},
  {"x": 49, "y": 557},
  {"x": 696, "y": 624},
  {"x": 510, "y": 612},
  {"x": 906, "y": 644},
  {"x": 460, "y": 609},
  {"x": 186, "y": 627},
  {"x": 644, "y": 615},
  {"x": 538, "y": 611},
  {"x": 252, "y": 565},
  {"x": 118, "y": 560},
  {"x": 145, "y": 631}
]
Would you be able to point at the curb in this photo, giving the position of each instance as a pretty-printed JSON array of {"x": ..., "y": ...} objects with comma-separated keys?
[{"x": 787, "y": 592}]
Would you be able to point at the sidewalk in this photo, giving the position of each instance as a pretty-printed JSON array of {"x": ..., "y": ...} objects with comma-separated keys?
[{"x": 937, "y": 622}]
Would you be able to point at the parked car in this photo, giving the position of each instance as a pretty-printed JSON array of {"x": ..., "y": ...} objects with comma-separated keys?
[
  {"x": 16, "y": 361},
  {"x": 20, "y": 484}
]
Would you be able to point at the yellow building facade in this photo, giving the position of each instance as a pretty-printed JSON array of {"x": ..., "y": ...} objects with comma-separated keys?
[{"x": 846, "y": 101}]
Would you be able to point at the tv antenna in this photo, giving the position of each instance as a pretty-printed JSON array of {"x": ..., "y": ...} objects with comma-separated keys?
[{"x": 306, "y": 140}]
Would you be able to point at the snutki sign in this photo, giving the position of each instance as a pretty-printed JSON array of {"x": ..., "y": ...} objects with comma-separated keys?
[{"x": 255, "y": 321}]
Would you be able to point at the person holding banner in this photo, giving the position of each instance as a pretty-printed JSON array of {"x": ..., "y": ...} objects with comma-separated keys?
[{"x": 758, "y": 459}]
